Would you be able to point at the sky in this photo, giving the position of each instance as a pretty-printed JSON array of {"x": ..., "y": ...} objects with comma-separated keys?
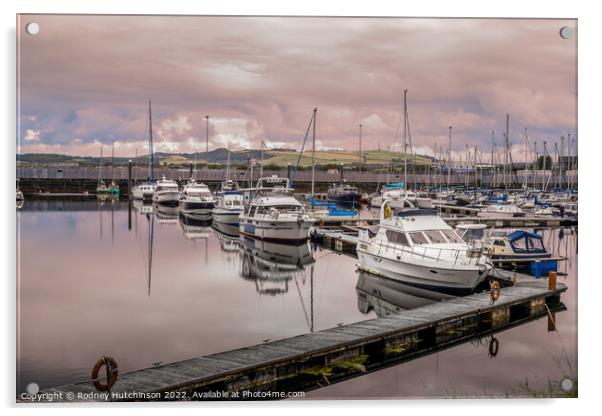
[{"x": 85, "y": 81}]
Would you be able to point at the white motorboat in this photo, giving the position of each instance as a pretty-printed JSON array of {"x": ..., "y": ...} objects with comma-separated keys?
[
  {"x": 501, "y": 211},
  {"x": 196, "y": 200},
  {"x": 274, "y": 214},
  {"x": 143, "y": 191},
  {"x": 228, "y": 208},
  {"x": 416, "y": 247},
  {"x": 167, "y": 193},
  {"x": 419, "y": 200}
]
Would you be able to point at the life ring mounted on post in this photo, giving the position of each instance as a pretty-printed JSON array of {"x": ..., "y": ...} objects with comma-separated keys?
[{"x": 112, "y": 372}]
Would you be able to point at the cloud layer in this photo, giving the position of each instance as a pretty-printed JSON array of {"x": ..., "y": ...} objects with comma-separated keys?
[{"x": 86, "y": 80}]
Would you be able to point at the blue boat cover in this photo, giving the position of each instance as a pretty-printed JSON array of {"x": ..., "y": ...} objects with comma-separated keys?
[{"x": 526, "y": 242}]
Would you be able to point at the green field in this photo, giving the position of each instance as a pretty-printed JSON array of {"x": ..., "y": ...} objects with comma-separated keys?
[{"x": 282, "y": 158}]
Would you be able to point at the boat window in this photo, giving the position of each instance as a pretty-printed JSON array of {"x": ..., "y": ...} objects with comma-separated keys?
[
  {"x": 452, "y": 236},
  {"x": 436, "y": 237},
  {"x": 252, "y": 211},
  {"x": 397, "y": 238},
  {"x": 498, "y": 243},
  {"x": 418, "y": 238},
  {"x": 520, "y": 244},
  {"x": 535, "y": 244}
]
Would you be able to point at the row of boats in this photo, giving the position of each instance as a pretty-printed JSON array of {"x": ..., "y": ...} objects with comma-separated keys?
[
  {"x": 412, "y": 244},
  {"x": 269, "y": 211}
]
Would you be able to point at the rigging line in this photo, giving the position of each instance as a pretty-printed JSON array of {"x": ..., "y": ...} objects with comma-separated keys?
[{"x": 301, "y": 299}]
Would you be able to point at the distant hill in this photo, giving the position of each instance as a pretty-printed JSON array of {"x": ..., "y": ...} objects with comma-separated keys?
[{"x": 274, "y": 157}]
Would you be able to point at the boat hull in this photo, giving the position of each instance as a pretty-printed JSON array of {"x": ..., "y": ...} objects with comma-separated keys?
[
  {"x": 351, "y": 198},
  {"x": 170, "y": 198},
  {"x": 285, "y": 231},
  {"x": 196, "y": 208},
  {"x": 142, "y": 195},
  {"x": 429, "y": 277},
  {"x": 226, "y": 217}
]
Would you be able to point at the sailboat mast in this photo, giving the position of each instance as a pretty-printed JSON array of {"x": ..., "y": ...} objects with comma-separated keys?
[
  {"x": 100, "y": 166},
  {"x": 207, "y": 140},
  {"x": 360, "y": 149},
  {"x": 113, "y": 161},
  {"x": 526, "y": 158},
  {"x": 492, "y": 181},
  {"x": 405, "y": 157},
  {"x": 449, "y": 159},
  {"x": 507, "y": 138},
  {"x": 151, "y": 160},
  {"x": 313, "y": 153},
  {"x": 228, "y": 166}
]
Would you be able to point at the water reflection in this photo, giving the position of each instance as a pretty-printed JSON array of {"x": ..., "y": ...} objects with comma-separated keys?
[
  {"x": 273, "y": 266},
  {"x": 386, "y": 296}
]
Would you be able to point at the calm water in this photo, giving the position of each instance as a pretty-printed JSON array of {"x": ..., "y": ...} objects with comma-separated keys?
[{"x": 145, "y": 287}]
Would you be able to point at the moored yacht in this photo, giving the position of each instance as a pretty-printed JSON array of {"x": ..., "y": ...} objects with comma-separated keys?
[
  {"x": 196, "y": 200},
  {"x": 274, "y": 214},
  {"x": 144, "y": 191},
  {"x": 167, "y": 192},
  {"x": 501, "y": 211},
  {"x": 344, "y": 194},
  {"x": 229, "y": 207},
  {"x": 416, "y": 247}
]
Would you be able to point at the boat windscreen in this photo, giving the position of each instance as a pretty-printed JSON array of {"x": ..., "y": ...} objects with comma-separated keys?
[{"x": 452, "y": 236}]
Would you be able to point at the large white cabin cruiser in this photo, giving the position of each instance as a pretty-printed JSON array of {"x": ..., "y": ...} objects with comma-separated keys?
[
  {"x": 416, "y": 247},
  {"x": 196, "y": 200},
  {"x": 167, "y": 192},
  {"x": 274, "y": 214}
]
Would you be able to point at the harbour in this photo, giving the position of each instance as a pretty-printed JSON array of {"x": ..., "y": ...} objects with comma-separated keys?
[{"x": 259, "y": 208}]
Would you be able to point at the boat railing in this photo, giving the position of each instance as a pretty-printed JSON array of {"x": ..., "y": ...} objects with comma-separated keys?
[{"x": 465, "y": 256}]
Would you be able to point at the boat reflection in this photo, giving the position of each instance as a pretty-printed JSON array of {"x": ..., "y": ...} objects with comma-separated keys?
[
  {"x": 271, "y": 265},
  {"x": 165, "y": 214},
  {"x": 195, "y": 229},
  {"x": 141, "y": 207},
  {"x": 227, "y": 243},
  {"x": 386, "y": 296},
  {"x": 229, "y": 230}
]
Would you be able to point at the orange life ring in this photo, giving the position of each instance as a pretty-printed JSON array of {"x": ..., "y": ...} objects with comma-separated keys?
[
  {"x": 494, "y": 288},
  {"x": 112, "y": 372}
]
